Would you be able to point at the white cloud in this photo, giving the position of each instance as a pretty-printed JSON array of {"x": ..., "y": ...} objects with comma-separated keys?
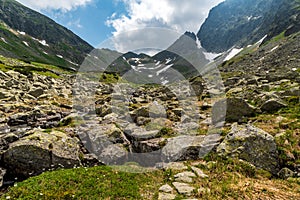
[
  {"x": 64, "y": 5},
  {"x": 176, "y": 16}
]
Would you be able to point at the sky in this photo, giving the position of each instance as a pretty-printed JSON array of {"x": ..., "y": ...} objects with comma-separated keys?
[{"x": 127, "y": 25}]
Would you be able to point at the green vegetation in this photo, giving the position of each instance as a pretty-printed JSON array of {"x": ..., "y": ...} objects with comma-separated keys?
[{"x": 87, "y": 183}]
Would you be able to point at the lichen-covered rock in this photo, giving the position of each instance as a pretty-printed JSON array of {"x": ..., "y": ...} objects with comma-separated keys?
[
  {"x": 189, "y": 147},
  {"x": 231, "y": 110},
  {"x": 253, "y": 145},
  {"x": 40, "y": 151},
  {"x": 272, "y": 105}
]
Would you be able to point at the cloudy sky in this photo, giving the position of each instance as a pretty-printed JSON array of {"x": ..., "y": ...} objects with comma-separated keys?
[{"x": 127, "y": 24}]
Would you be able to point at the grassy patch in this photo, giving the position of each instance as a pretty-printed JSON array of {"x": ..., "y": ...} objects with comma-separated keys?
[{"x": 87, "y": 183}]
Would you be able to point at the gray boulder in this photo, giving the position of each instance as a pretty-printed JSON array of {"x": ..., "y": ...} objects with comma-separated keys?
[
  {"x": 272, "y": 105},
  {"x": 189, "y": 147},
  {"x": 253, "y": 145},
  {"x": 231, "y": 110},
  {"x": 40, "y": 151}
]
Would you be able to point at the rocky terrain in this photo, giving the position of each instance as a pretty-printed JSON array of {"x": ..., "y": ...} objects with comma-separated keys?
[{"x": 49, "y": 122}]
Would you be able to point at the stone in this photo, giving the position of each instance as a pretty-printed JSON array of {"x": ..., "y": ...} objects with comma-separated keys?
[
  {"x": 253, "y": 145},
  {"x": 166, "y": 188},
  {"x": 166, "y": 196},
  {"x": 39, "y": 150},
  {"x": 182, "y": 148},
  {"x": 199, "y": 172},
  {"x": 149, "y": 145},
  {"x": 142, "y": 135},
  {"x": 2, "y": 173},
  {"x": 285, "y": 173},
  {"x": 272, "y": 105},
  {"x": 183, "y": 188},
  {"x": 184, "y": 179},
  {"x": 231, "y": 110},
  {"x": 113, "y": 154},
  {"x": 36, "y": 92},
  {"x": 172, "y": 165}
]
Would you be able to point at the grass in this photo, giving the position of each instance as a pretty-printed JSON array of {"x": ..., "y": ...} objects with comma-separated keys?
[{"x": 87, "y": 183}]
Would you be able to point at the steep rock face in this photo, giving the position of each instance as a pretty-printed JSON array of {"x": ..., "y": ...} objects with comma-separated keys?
[
  {"x": 39, "y": 38},
  {"x": 243, "y": 22}
]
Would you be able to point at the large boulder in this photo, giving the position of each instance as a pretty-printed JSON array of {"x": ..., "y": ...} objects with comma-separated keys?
[
  {"x": 231, "y": 110},
  {"x": 253, "y": 145},
  {"x": 272, "y": 105},
  {"x": 189, "y": 147},
  {"x": 40, "y": 151}
]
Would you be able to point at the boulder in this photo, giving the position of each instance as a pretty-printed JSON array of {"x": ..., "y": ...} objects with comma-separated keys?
[
  {"x": 40, "y": 151},
  {"x": 2, "y": 173},
  {"x": 272, "y": 105},
  {"x": 231, "y": 110},
  {"x": 113, "y": 154},
  {"x": 253, "y": 145},
  {"x": 36, "y": 92},
  {"x": 185, "y": 147}
]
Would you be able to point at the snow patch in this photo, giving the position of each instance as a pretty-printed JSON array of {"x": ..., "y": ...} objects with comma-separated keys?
[
  {"x": 60, "y": 56},
  {"x": 211, "y": 56},
  {"x": 165, "y": 82},
  {"x": 233, "y": 53},
  {"x": 21, "y": 32},
  {"x": 45, "y": 52},
  {"x": 3, "y": 39},
  {"x": 274, "y": 49},
  {"x": 164, "y": 69},
  {"x": 25, "y": 43},
  {"x": 168, "y": 60},
  {"x": 294, "y": 69},
  {"x": 43, "y": 42},
  {"x": 261, "y": 40},
  {"x": 150, "y": 75}
]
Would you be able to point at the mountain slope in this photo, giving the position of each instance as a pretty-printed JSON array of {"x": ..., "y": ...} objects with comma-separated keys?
[
  {"x": 243, "y": 22},
  {"x": 31, "y": 36}
]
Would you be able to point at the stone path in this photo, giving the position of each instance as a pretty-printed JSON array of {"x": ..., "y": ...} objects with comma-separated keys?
[{"x": 182, "y": 182}]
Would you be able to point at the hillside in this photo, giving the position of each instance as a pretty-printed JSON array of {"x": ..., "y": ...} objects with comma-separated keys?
[
  {"x": 242, "y": 22},
  {"x": 28, "y": 35}
]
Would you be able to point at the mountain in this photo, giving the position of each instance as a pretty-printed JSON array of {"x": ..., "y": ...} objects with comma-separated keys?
[
  {"x": 243, "y": 22},
  {"x": 28, "y": 35}
]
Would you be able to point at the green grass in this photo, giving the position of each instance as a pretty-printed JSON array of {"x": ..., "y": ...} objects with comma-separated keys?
[{"x": 87, "y": 183}]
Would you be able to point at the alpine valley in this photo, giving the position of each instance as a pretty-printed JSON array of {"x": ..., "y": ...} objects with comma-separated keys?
[{"x": 214, "y": 116}]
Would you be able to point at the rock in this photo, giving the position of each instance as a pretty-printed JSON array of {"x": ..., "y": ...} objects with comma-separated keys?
[
  {"x": 142, "y": 135},
  {"x": 172, "y": 165},
  {"x": 18, "y": 119},
  {"x": 183, "y": 188},
  {"x": 149, "y": 145},
  {"x": 272, "y": 105},
  {"x": 252, "y": 145},
  {"x": 36, "y": 92},
  {"x": 189, "y": 147},
  {"x": 199, "y": 172},
  {"x": 113, "y": 154},
  {"x": 2, "y": 173},
  {"x": 166, "y": 196},
  {"x": 39, "y": 151},
  {"x": 285, "y": 173},
  {"x": 231, "y": 110},
  {"x": 185, "y": 177},
  {"x": 166, "y": 188}
]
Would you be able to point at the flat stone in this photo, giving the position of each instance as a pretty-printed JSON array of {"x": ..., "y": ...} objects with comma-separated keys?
[
  {"x": 166, "y": 188},
  {"x": 199, "y": 172},
  {"x": 188, "y": 174},
  {"x": 173, "y": 166},
  {"x": 183, "y": 188},
  {"x": 184, "y": 179},
  {"x": 166, "y": 196}
]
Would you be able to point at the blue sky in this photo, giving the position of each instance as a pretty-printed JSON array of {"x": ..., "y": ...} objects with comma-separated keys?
[{"x": 127, "y": 24}]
